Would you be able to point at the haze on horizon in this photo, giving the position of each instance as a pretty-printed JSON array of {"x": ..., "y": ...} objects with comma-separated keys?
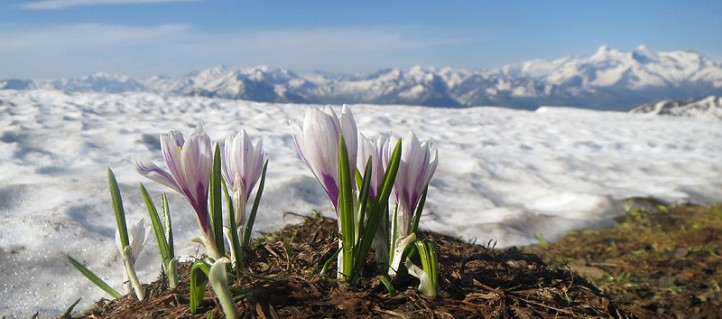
[{"x": 43, "y": 39}]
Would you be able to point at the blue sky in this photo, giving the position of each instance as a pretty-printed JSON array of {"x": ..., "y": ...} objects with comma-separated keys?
[{"x": 66, "y": 38}]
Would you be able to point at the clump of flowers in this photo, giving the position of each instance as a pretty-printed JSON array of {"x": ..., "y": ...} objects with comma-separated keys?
[
  {"x": 358, "y": 174},
  {"x": 196, "y": 172},
  {"x": 331, "y": 148}
]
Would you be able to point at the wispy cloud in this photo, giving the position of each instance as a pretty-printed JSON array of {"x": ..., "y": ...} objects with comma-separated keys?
[
  {"x": 63, "y": 4},
  {"x": 72, "y": 50}
]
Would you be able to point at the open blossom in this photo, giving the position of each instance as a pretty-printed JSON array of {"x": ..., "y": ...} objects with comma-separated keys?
[
  {"x": 417, "y": 166},
  {"x": 317, "y": 144},
  {"x": 189, "y": 169},
  {"x": 242, "y": 166}
]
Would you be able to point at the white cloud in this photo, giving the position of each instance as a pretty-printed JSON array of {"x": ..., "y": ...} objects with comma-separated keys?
[
  {"x": 73, "y": 50},
  {"x": 62, "y": 4}
]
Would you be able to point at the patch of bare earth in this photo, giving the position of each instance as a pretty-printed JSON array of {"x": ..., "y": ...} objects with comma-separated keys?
[{"x": 282, "y": 280}]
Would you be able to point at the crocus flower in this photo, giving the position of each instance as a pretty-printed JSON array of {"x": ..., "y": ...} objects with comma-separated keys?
[
  {"x": 377, "y": 151},
  {"x": 137, "y": 237},
  {"x": 317, "y": 144},
  {"x": 189, "y": 164},
  {"x": 417, "y": 166},
  {"x": 242, "y": 165}
]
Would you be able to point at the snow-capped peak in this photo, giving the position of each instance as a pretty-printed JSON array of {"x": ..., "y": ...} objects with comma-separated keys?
[{"x": 607, "y": 79}]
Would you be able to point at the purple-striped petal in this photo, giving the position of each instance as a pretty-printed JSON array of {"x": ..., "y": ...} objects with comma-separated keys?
[
  {"x": 152, "y": 171},
  {"x": 317, "y": 145},
  {"x": 417, "y": 166}
]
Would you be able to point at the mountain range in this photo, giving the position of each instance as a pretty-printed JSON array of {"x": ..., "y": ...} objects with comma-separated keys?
[{"x": 609, "y": 79}]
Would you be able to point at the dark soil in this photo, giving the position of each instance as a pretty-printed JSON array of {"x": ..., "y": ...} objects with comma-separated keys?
[{"x": 476, "y": 282}]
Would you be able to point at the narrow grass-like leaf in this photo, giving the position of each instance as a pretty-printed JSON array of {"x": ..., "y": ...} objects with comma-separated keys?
[
  {"x": 199, "y": 280},
  {"x": 167, "y": 224},
  {"x": 429, "y": 276},
  {"x": 433, "y": 262},
  {"x": 69, "y": 311},
  {"x": 216, "y": 208},
  {"x": 377, "y": 210},
  {"x": 389, "y": 177},
  {"x": 252, "y": 216},
  {"x": 328, "y": 262},
  {"x": 419, "y": 209},
  {"x": 118, "y": 208},
  {"x": 364, "y": 195},
  {"x": 236, "y": 248},
  {"x": 365, "y": 229},
  {"x": 389, "y": 287},
  {"x": 157, "y": 226},
  {"x": 93, "y": 277},
  {"x": 346, "y": 211}
]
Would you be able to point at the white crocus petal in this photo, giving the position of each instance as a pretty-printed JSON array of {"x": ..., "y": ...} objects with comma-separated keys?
[
  {"x": 350, "y": 134},
  {"x": 418, "y": 164},
  {"x": 375, "y": 150},
  {"x": 317, "y": 145},
  {"x": 242, "y": 167},
  {"x": 155, "y": 173},
  {"x": 137, "y": 235}
]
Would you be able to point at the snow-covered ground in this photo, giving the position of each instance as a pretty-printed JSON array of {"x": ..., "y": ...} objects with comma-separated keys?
[{"x": 505, "y": 175}]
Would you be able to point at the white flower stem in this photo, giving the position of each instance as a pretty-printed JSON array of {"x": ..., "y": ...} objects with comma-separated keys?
[
  {"x": 398, "y": 252},
  {"x": 172, "y": 272},
  {"x": 130, "y": 269},
  {"x": 219, "y": 282}
]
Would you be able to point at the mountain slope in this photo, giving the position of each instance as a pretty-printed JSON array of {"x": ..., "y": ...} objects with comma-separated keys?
[
  {"x": 709, "y": 108},
  {"x": 609, "y": 79}
]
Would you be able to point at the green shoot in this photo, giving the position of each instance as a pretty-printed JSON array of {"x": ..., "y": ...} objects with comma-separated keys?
[
  {"x": 216, "y": 210},
  {"x": 118, "y": 208},
  {"x": 199, "y": 279},
  {"x": 346, "y": 211},
  {"x": 93, "y": 278}
]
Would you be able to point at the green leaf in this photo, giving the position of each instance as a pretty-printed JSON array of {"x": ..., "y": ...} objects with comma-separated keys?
[
  {"x": 364, "y": 194},
  {"x": 328, "y": 262},
  {"x": 68, "y": 311},
  {"x": 346, "y": 210},
  {"x": 233, "y": 225},
  {"x": 93, "y": 277},
  {"x": 215, "y": 200},
  {"x": 167, "y": 224},
  {"x": 157, "y": 226},
  {"x": 118, "y": 208},
  {"x": 377, "y": 210},
  {"x": 256, "y": 202},
  {"x": 199, "y": 280},
  {"x": 419, "y": 209},
  {"x": 389, "y": 177},
  {"x": 429, "y": 285},
  {"x": 364, "y": 227},
  {"x": 389, "y": 287}
]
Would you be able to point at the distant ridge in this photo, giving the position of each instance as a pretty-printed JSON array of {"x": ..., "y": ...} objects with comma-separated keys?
[
  {"x": 709, "y": 108},
  {"x": 609, "y": 79}
]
